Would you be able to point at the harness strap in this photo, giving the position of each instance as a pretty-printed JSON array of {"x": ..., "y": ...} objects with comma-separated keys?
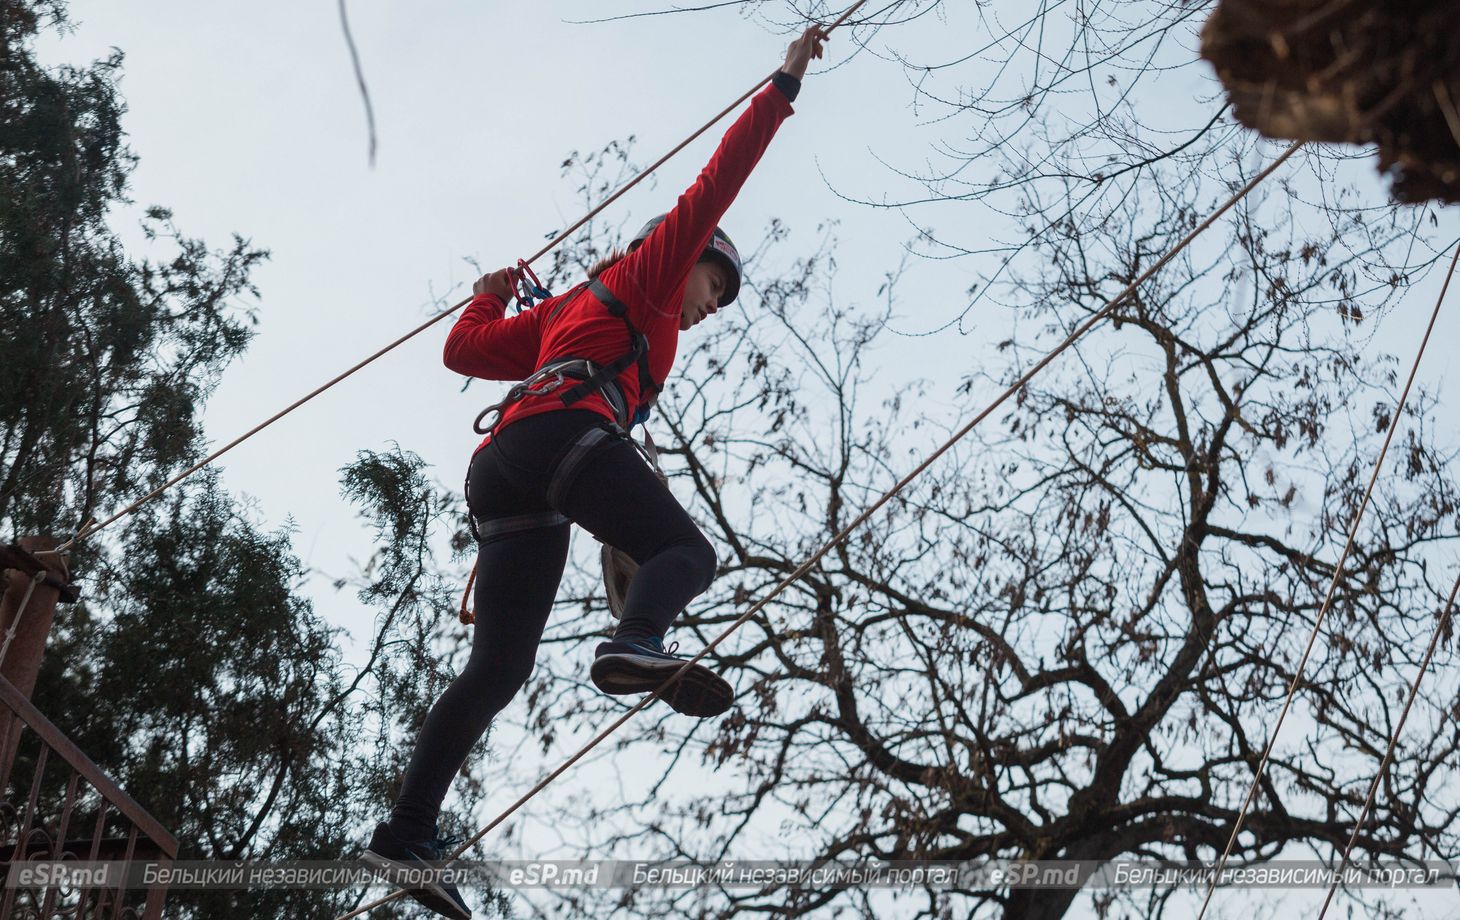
[
  {"x": 567, "y": 299},
  {"x": 638, "y": 353},
  {"x": 567, "y": 471},
  {"x": 492, "y": 527},
  {"x": 594, "y": 378},
  {"x": 650, "y": 452},
  {"x": 648, "y": 388},
  {"x": 549, "y": 378}
]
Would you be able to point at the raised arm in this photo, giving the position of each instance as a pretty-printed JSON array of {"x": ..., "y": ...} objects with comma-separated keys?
[{"x": 648, "y": 278}]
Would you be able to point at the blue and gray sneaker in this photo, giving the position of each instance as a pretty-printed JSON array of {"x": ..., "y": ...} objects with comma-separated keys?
[
  {"x": 392, "y": 856},
  {"x": 642, "y": 666}
]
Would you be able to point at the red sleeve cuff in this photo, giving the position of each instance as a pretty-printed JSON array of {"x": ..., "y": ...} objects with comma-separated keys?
[{"x": 488, "y": 300}]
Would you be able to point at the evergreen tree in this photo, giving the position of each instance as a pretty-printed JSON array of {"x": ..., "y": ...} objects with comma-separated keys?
[{"x": 194, "y": 671}]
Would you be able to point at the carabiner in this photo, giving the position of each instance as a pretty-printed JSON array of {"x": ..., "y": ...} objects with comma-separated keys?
[{"x": 526, "y": 286}]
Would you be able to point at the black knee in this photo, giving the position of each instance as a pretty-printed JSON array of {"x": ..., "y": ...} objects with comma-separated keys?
[{"x": 700, "y": 556}]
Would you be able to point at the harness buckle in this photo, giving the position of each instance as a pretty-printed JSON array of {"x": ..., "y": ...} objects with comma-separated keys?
[
  {"x": 533, "y": 386},
  {"x": 543, "y": 381}
]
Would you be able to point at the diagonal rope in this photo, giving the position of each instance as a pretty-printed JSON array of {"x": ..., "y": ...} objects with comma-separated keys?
[
  {"x": 91, "y": 529},
  {"x": 1328, "y": 598},
  {"x": 35, "y": 579},
  {"x": 1089, "y": 323},
  {"x": 1393, "y": 742}
]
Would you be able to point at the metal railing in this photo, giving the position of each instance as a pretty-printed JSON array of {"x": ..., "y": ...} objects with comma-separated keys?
[{"x": 52, "y": 794}]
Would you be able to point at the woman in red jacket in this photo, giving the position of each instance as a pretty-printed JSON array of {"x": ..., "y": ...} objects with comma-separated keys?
[{"x": 591, "y": 362}]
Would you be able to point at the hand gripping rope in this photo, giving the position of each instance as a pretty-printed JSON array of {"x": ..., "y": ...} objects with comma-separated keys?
[
  {"x": 91, "y": 528},
  {"x": 1089, "y": 323},
  {"x": 1318, "y": 623}
]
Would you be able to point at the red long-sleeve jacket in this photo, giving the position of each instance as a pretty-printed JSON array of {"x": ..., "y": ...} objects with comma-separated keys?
[{"x": 650, "y": 281}]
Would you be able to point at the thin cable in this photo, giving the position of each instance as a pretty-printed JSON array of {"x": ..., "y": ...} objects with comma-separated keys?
[
  {"x": 1393, "y": 742},
  {"x": 1328, "y": 598},
  {"x": 35, "y": 579},
  {"x": 1093, "y": 320},
  {"x": 86, "y": 532},
  {"x": 686, "y": 142}
]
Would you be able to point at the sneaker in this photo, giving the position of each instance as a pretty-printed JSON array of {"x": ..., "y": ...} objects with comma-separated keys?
[
  {"x": 642, "y": 666},
  {"x": 389, "y": 854}
]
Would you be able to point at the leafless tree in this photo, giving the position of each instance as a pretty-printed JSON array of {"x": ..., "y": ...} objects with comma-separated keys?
[{"x": 1068, "y": 639}]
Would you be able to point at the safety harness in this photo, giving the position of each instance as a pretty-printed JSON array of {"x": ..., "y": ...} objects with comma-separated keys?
[
  {"x": 591, "y": 376},
  {"x": 619, "y": 568},
  {"x": 605, "y": 379}
]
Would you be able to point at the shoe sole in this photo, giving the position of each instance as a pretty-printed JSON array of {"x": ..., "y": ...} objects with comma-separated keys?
[
  {"x": 700, "y": 692},
  {"x": 430, "y": 897}
]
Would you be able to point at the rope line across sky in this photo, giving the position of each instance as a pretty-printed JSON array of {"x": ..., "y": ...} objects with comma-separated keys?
[
  {"x": 93, "y": 527},
  {"x": 1323, "y": 610},
  {"x": 1089, "y": 323}
]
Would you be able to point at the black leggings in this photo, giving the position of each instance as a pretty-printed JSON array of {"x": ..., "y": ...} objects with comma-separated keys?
[{"x": 536, "y": 476}]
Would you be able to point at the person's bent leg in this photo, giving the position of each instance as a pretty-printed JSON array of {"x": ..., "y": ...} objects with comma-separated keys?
[
  {"x": 666, "y": 582},
  {"x": 603, "y": 485},
  {"x": 610, "y": 491}
]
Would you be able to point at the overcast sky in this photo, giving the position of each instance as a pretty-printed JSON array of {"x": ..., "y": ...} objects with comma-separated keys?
[{"x": 247, "y": 119}]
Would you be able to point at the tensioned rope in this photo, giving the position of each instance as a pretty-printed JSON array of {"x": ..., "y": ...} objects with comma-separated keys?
[
  {"x": 1440, "y": 625},
  {"x": 1089, "y": 323},
  {"x": 1328, "y": 597},
  {"x": 90, "y": 529},
  {"x": 35, "y": 580},
  {"x": 1424, "y": 666}
]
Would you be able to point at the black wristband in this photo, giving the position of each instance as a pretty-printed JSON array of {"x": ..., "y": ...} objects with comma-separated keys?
[{"x": 787, "y": 84}]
